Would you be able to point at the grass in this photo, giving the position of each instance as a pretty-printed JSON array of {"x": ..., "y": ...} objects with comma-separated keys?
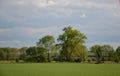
[{"x": 59, "y": 69}]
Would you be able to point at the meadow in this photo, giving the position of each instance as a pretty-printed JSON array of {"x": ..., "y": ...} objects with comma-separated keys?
[{"x": 59, "y": 69}]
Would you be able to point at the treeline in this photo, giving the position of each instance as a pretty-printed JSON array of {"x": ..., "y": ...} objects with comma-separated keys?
[
  {"x": 69, "y": 48},
  {"x": 105, "y": 53}
]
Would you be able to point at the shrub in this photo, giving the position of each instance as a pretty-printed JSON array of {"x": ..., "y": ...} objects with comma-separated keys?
[
  {"x": 89, "y": 60},
  {"x": 17, "y": 60},
  {"x": 116, "y": 59}
]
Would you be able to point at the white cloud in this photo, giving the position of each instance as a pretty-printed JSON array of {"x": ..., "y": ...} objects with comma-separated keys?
[
  {"x": 10, "y": 41},
  {"x": 21, "y": 2},
  {"x": 41, "y": 3},
  {"x": 116, "y": 14},
  {"x": 88, "y": 4},
  {"x": 82, "y": 15},
  {"x": 73, "y": 3},
  {"x": 98, "y": 5},
  {"x": 30, "y": 31},
  {"x": 4, "y": 30}
]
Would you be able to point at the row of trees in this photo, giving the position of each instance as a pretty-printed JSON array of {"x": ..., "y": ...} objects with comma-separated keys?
[
  {"x": 8, "y": 53},
  {"x": 70, "y": 47},
  {"x": 105, "y": 53}
]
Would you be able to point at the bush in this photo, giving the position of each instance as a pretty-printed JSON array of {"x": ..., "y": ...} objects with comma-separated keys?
[
  {"x": 117, "y": 59},
  {"x": 78, "y": 60},
  {"x": 17, "y": 60},
  {"x": 89, "y": 60},
  {"x": 93, "y": 59},
  {"x": 36, "y": 59}
]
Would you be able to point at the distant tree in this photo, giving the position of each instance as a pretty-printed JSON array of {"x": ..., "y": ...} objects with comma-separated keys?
[
  {"x": 22, "y": 53},
  {"x": 47, "y": 42},
  {"x": 98, "y": 52},
  {"x": 55, "y": 53},
  {"x": 69, "y": 40},
  {"x": 59, "y": 50},
  {"x": 36, "y": 54},
  {"x": 107, "y": 52},
  {"x": 31, "y": 51},
  {"x": 118, "y": 53},
  {"x": 2, "y": 55},
  {"x": 116, "y": 58},
  {"x": 13, "y": 53},
  {"x": 79, "y": 54},
  {"x": 8, "y": 53},
  {"x": 41, "y": 54}
]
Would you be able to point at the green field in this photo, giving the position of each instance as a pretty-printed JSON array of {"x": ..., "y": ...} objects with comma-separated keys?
[{"x": 59, "y": 69}]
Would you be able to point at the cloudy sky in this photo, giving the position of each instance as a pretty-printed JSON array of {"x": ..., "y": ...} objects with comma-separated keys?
[{"x": 23, "y": 22}]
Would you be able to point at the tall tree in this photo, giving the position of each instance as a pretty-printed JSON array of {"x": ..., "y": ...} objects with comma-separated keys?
[
  {"x": 98, "y": 52},
  {"x": 69, "y": 40},
  {"x": 22, "y": 52},
  {"x": 118, "y": 52},
  {"x": 13, "y": 53},
  {"x": 55, "y": 53},
  {"x": 2, "y": 54},
  {"x": 107, "y": 52},
  {"x": 8, "y": 53},
  {"x": 47, "y": 42}
]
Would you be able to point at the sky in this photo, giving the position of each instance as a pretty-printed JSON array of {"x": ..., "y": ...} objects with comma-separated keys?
[{"x": 24, "y": 22}]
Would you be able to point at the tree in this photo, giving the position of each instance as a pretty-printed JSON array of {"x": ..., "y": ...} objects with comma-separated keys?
[
  {"x": 118, "y": 53},
  {"x": 31, "y": 51},
  {"x": 13, "y": 53},
  {"x": 98, "y": 52},
  {"x": 36, "y": 54},
  {"x": 22, "y": 52},
  {"x": 69, "y": 40},
  {"x": 9, "y": 53},
  {"x": 79, "y": 54},
  {"x": 41, "y": 54},
  {"x": 2, "y": 55},
  {"x": 5, "y": 53},
  {"x": 107, "y": 52},
  {"x": 55, "y": 53},
  {"x": 47, "y": 42}
]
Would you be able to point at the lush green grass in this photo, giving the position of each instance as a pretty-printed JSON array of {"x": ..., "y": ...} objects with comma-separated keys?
[{"x": 59, "y": 69}]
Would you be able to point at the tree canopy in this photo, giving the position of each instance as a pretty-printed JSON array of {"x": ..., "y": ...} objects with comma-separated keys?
[
  {"x": 69, "y": 40},
  {"x": 47, "y": 42}
]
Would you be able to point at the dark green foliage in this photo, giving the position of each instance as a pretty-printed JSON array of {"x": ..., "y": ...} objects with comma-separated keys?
[
  {"x": 118, "y": 52},
  {"x": 89, "y": 60},
  {"x": 116, "y": 59},
  {"x": 2, "y": 55},
  {"x": 17, "y": 60},
  {"x": 36, "y": 54},
  {"x": 98, "y": 52},
  {"x": 31, "y": 51}
]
